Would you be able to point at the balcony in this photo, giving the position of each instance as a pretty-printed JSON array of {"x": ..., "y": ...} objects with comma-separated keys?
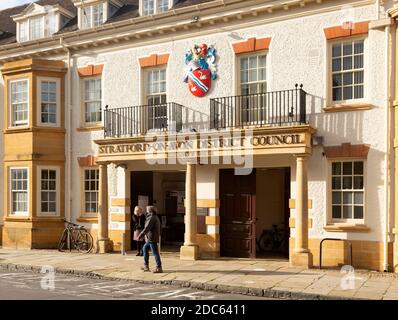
[
  {"x": 139, "y": 120},
  {"x": 278, "y": 108}
]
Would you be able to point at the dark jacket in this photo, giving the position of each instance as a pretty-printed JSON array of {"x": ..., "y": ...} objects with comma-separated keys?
[
  {"x": 151, "y": 229},
  {"x": 138, "y": 222}
]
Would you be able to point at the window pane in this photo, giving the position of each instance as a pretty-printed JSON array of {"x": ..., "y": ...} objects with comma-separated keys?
[
  {"x": 347, "y": 197},
  {"x": 347, "y": 63},
  {"x": 336, "y": 50},
  {"x": 337, "y": 94},
  {"x": 358, "y": 212},
  {"x": 358, "y": 47},
  {"x": 347, "y": 212},
  {"x": 358, "y": 167},
  {"x": 347, "y": 49},
  {"x": 336, "y": 183},
  {"x": 336, "y": 199},
  {"x": 358, "y": 198},
  {"x": 347, "y": 168},
  {"x": 347, "y": 182},
  {"x": 336, "y": 168},
  {"x": 336, "y": 64},
  {"x": 358, "y": 182},
  {"x": 336, "y": 212}
]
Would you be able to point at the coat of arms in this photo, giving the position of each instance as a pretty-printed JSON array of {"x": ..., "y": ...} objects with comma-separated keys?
[{"x": 201, "y": 69}]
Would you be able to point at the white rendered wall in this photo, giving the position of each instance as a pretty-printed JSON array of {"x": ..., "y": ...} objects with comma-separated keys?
[{"x": 297, "y": 55}]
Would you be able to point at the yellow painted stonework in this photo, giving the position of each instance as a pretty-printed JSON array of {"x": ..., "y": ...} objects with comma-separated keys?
[
  {"x": 366, "y": 254},
  {"x": 32, "y": 146}
]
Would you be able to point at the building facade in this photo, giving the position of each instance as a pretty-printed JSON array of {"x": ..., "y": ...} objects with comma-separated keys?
[{"x": 232, "y": 117}]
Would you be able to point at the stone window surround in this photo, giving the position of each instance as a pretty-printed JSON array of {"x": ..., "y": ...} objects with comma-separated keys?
[
  {"x": 91, "y": 70},
  {"x": 340, "y": 33}
]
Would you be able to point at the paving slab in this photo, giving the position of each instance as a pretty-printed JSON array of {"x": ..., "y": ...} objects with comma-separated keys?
[{"x": 273, "y": 278}]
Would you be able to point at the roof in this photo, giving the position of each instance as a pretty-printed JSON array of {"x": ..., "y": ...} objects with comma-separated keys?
[{"x": 127, "y": 11}]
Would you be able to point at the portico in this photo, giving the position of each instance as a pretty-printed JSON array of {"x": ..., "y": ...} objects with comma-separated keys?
[{"x": 159, "y": 153}]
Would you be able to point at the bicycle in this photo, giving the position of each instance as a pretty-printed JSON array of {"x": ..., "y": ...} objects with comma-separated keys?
[
  {"x": 75, "y": 237},
  {"x": 271, "y": 240}
]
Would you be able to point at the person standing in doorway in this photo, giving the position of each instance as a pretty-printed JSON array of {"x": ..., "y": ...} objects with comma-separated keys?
[
  {"x": 151, "y": 232},
  {"x": 139, "y": 224}
]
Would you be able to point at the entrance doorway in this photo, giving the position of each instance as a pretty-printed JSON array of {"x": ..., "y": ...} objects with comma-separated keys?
[
  {"x": 252, "y": 208},
  {"x": 166, "y": 191}
]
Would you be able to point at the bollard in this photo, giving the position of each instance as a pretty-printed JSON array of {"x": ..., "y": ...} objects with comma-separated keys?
[{"x": 122, "y": 249}]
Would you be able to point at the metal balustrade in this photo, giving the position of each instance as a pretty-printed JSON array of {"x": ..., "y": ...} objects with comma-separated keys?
[
  {"x": 139, "y": 120},
  {"x": 287, "y": 107}
]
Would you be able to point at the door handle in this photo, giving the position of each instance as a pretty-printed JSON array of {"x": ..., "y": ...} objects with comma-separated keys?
[{"x": 237, "y": 222}]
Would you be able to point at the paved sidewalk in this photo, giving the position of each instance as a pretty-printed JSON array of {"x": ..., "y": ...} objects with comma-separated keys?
[{"x": 269, "y": 278}]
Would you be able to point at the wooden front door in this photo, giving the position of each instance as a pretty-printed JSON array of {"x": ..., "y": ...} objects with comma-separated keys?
[{"x": 237, "y": 214}]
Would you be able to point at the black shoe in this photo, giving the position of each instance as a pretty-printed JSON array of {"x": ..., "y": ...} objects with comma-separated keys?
[
  {"x": 145, "y": 268},
  {"x": 138, "y": 254},
  {"x": 158, "y": 270}
]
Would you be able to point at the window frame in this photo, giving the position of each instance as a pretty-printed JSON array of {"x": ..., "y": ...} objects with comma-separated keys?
[
  {"x": 89, "y": 11},
  {"x": 58, "y": 102},
  {"x": 146, "y": 83},
  {"x": 84, "y": 213},
  {"x": 42, "y": 22},
  {"x": 329, "y": 197},
  {"x": 83, "y": 101},
  {"x": 56, "y": 213},
  {"x": 155, "y": 7},
  {"x": 238, "y": 78},
  {"x": 11, "y": 123},
  {"x": 329, "y": 72},
  {"x": 11, "y": 212}
]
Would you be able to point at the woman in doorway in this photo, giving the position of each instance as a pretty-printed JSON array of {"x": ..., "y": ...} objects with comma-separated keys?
[{"x": 139, "y": 224}]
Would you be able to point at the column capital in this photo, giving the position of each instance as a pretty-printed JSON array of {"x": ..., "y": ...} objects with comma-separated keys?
[{"x": 301, "y": 157}]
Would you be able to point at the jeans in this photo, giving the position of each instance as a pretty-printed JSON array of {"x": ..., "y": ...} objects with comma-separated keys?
[{"x": 155, "y": 251}]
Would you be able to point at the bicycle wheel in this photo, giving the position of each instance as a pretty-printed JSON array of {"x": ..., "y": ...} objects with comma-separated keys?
[
  {"x": 62, "y": 244},
  {"x": 84, "y": 241},
  {"x": 265, "y": 241}
]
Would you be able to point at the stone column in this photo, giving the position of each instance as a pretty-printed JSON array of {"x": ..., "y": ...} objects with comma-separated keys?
[
  {"x": 104, "y": 244},
  {"x": 190, "y": 250},
  {"x": 301, "y": 255}
]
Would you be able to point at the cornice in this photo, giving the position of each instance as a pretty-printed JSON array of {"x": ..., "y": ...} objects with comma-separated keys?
[{"x": 225, "y": 14}]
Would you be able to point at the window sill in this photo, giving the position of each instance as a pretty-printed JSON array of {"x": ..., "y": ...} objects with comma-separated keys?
[
  {"x": 343, "y": 227},
  {"x": 347, "y": 107},
  {"x": 87, "y": 219},
  {"x": 16, "y": 218},
  {"x": 90, "y": 128}
]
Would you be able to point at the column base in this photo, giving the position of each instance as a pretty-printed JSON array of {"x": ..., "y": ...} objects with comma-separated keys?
[
  {"x": 105, "y": 246},
  {"x": 301, "y": 259},
  {"x": 189, "y": 252}
]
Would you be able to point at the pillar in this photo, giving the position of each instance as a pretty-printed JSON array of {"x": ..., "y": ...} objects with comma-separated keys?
[
  {"x": 301, "y": 255},
  {"x": 104, "y": 244},
  {"x": 190, "y": 250}
]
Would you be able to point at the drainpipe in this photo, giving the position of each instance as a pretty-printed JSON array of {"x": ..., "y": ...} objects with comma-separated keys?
[
  {"x": 388, "y": 69},
  {"x": 68, "y": 123}
]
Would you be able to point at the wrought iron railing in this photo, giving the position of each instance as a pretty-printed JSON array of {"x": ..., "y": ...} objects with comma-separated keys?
[
  {"x": 287, "y": 107},
  {"x": 139, "y": 120}
]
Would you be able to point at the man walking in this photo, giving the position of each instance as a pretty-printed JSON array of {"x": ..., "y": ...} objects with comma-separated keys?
[{"x": 151, "y": 232}]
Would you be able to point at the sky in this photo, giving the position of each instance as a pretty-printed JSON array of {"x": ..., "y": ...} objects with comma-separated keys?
[{"x": 12, "y": 3}]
